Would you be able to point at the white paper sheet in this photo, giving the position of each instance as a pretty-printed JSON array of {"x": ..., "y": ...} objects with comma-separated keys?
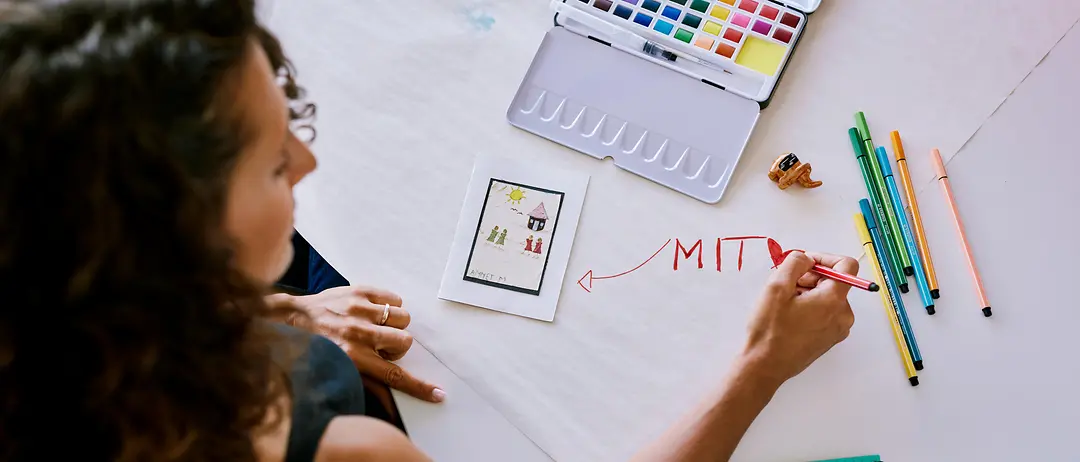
[
  {"x": 405, "y": 88},
  {"x": 521, "y": 273}
]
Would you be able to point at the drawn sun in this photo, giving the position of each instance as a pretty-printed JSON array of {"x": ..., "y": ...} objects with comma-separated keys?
[{"x": 515, "y": 196}]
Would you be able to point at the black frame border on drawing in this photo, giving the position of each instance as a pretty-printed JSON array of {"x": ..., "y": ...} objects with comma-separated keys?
[{"x": 476, "y": 237}]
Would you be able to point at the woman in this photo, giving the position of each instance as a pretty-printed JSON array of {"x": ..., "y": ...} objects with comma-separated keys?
[
  {"x": 148, "y": 160},
  {"x": 146, "y": 202}
]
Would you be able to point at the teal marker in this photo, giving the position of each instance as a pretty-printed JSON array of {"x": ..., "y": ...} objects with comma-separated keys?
[
  {"x": 890, "y": 228},
  {"x": 878, "y": 201},
  {"x": 905, "y": 229},
  {"x": 890, "y": 284},
  {"x": 873, "y": 458}
]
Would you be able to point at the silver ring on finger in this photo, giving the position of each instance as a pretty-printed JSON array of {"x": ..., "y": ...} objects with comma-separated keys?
[{"x": 385, "y": 314}]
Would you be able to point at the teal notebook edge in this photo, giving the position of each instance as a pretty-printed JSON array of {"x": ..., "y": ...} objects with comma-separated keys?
[{"x": 873, "y": 458}]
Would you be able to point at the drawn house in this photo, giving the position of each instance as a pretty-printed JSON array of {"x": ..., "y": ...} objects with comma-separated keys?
[{"x": 538, "y": 218}]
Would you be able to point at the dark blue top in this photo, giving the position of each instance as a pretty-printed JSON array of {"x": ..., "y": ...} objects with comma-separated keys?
[{"x": 325, "y": 384}]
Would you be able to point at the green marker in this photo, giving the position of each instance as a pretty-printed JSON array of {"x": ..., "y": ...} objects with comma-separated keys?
[
  {"x": 877, "y": 203},
  {"x": 873, "y": 458},
  {"x": 893, "y": 236}
]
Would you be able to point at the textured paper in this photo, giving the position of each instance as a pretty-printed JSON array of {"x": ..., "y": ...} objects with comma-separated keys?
[{"x": 509, "y": 254}]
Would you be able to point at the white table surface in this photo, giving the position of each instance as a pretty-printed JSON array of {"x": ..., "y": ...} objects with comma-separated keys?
[{"x": 408, "y": 93}]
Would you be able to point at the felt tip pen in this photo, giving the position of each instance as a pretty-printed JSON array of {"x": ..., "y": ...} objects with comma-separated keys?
[
  {"x": 853, "y": 281},
  {"x": 876, "y": 200},
  {"x": 916, "y": 216},
  {"x": 943, "y": 178},
  {"x": 890, "y": 285},
  {"x": 886, "y": 300},
  {"x": 905, "y": 231},
  {"x": 890, "y": 227}
]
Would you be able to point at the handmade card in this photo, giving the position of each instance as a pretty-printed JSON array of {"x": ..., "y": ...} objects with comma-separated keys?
[{"x": 514, "y": 237}]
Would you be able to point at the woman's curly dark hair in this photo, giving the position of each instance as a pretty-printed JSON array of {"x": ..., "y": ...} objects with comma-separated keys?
[{"x": 126, "y": 331}]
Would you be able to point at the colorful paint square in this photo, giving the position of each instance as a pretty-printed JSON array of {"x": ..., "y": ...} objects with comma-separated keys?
[
  {"x": 741, "y": 20},
  {"x": 691, "y": 20},
  {"x": 671, "y": 13},
  {"x": 699, "y": 5},
  {"x": 762, "y": 27},
  {"x": 632, "y": 2},
  {"x": 684, "y": 35},
  {"x": 748, "y": 5},
  {"x": 651, "y": 5},
  {"x": 603, "y": 5},
  {"x": 769, "y": 12},
  {"x": 711, "y": 28},
  {"x": 782, "y": 35},
  {"x": 734, "y": 35},
  {"x": 729, "y": 2},
  {"x": 623, "y": 11},
  {"x": 663, "y": 27},
  {"x": 704, "y": 42},
  {"x": 643, "y": 19},
  {"x": 725, "y": 50},
  {"x": 790, "y": 20},
  {"x": 720, "y": 13},
  {"x": 681, "y": 2},
  {"x": 761, "y": 55}
]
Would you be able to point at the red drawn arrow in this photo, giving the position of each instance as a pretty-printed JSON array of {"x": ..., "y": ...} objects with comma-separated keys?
[{"x": 589, "y": 278}]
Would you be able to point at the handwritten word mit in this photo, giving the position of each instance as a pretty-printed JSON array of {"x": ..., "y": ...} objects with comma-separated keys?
[{"x": 776, "y": 255}]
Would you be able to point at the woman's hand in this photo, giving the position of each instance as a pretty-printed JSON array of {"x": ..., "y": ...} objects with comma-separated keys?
[
  {"x": 800, "y": 316},
  {"x": 352, "y": 317}
]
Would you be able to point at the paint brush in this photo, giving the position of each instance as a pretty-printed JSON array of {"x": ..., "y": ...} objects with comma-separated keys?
[{"x": 629, "y": 41}]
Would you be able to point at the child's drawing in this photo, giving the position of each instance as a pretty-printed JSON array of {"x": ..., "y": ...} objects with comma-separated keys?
[
  {"x": 538, "y": 218},
  {"x": 521, "y": 270}
]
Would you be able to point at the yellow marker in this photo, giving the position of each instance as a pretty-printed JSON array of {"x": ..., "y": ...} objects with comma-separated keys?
[
  {"x": 886, "y": 300},
  {"x": 761, "y": 55}
]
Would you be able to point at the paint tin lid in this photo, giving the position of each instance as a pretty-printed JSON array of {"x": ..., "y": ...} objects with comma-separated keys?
[
  {"x": 806, "y": 6},
  {"x": 662, "y": 125}
]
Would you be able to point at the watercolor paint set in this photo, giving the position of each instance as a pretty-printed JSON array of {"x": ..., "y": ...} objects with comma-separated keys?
[{"x": 668, "y": 89}]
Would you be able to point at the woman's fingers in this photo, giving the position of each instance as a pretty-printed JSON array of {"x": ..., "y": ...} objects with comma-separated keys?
[
  {"x": 836, "y": 262},
  {"x": 390, "y": 342},
  {"x": 845, "y": 265},
  {"x": 809, "y": 280},
  {"x": 397, "y": 378},
  {"x": 379, "y": 296},
  {"x": 396, "y": 316}
]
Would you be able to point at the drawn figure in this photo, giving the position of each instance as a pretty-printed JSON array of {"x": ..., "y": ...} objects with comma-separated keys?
[
  {"x": 539, "y": 243},
  {"x": 502, "y": 238},
  {"x": 494, "y": 232},
  {"x": 538, "y": 218},
  {"x": 528, "y": 244}
]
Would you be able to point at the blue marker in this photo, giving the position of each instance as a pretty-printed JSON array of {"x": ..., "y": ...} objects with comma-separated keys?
[
  {"x": 905, "y": 230},
  {"x": 890, "y": 283}
]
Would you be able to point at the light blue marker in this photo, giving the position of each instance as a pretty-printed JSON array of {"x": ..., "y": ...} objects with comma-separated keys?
[
  {"x": 890, "y": 283},
  {"x": 905, "y": 229}
]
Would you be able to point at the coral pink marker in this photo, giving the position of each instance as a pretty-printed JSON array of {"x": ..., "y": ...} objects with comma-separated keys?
[
  {"x": 943, "y": 178},
  {"x": 778, "y": 255}
]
